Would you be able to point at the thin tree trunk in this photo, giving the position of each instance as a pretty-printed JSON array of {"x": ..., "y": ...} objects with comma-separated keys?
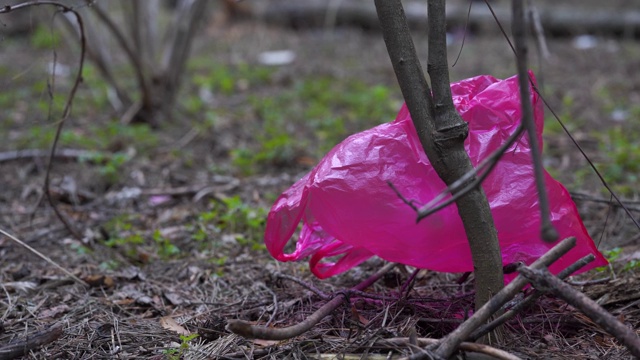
[{"x": 442, "y": 132}]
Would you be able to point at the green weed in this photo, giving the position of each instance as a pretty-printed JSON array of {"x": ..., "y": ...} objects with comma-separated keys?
[
  {"x": 177, "y": 354},
  {"x": 93, "y": 137},
  {"x": 552, "y": 126},
  {"x": 223, "y": 79},
  {"x": 101, "y": 138},
  {"x": 110, "y": 265},
  {"x": 129, "y": 240},
  {"x": 80, "y": 249},
  {"x": 44, "y": 37},
  {"x": 613, "y": 255},
  {"x": 622, "y": 150},
  {"x": 232, "y": 217},
  {"x": 166, "y": 249},
  {"x": 311, "y": 118}
]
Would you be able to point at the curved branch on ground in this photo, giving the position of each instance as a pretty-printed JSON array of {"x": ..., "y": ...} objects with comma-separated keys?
[{"x": 247, "y": 330}]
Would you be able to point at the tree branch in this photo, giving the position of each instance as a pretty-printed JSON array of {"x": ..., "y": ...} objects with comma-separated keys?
[
  {"x": 97, "y": 52},
  {"x": 31, "y": 342},
  {"x": 555, "y": 115},
  {"x": 66, "y": 112},
  {"x": 189, "y": 17},
  {"x": 484, "y": 329},
  {"x": 470, "y": 180},
  {"x": 447, "y": 119},
  {"x": 451, "y": 342},
  {"x": 543, "y": 280},
  {"x": 249, "y": 331},
  {"x": 451, "y": 162},
  {"x": 548, "y": 231},
  {"x": 134, "y": 58},
  {"x": 444, "y": 148},
  {"x": 402, "y": 52}
]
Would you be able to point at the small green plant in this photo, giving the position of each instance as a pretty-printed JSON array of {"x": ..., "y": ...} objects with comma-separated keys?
[
  {"x": 177, "y": 354},
  {"x": 111, "y": 166},
  {"x": 95, "y": 137},
  {"x": 80, "y": 249},
  {"x": 220, "y": 263},
  {"x": 240, "y": 217},
  {"x": 309, "y": 119},
  {"x": 227, "y": 79},
  {"x": 128, "y": 244},
  {"x": 109, "y": 265},
  {"x": 613, "y": 255},
  {"x": 44, "y": 37},
  {"x": 632, "y": 265},
  {"x": 165, "y": 248},
  {"x": 114, "y": 144},
  {"x": 128, "y": 239},
  {"x": 232, "y": 217},
  {"x": 552, "y": 126},
  {"x": 622, "y": 150}
]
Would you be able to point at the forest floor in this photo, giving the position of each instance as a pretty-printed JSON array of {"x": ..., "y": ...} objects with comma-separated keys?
[{"x": 170, "y": 220}]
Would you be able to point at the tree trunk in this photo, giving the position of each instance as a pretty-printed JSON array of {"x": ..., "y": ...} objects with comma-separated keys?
[{"x": 442, "y": 132}]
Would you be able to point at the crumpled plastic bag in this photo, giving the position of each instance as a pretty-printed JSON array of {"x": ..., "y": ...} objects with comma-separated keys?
[{"x": 349, "y": 213}]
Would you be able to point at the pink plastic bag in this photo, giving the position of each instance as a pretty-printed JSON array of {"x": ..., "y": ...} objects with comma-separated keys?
[{"x": 349, "y": 213}]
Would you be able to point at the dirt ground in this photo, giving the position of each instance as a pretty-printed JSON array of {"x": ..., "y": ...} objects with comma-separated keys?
[{"x": 141, "y": 298}]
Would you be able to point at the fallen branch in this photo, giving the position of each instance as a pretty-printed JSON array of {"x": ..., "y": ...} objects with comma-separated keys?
[
  {"x": 249, "y": 331},
  {"x": 481, "y": 331},
  {"x": 14, "y": 155},
  {"x": 42, "y": 256},
  {"x": 544, "y": 281},
  {"x": 465, "y": 346},
  {"x": 453, "y": 340},
  {"x": 576, "y": 196},
  {"x": 31, "y": 342},
  {"x": 320, "y": 293}
]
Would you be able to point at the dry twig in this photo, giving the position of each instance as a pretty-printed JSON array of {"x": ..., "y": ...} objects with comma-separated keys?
[
  {"x": 13, "y": 155},
  {"x": 471, "y": 180},
  {"x": 320, "y": 293},
  {"x": 451, "y": 342},
  {"x": 465, "y": 346},
  {"x": 42, "y": 256},
  {"x": 564, "y": 128},
  {"x": 247, "y": 330},
  {"x": 30, "y": 342},
  {"x": 548, "y": 231},
  {"x": 544, "y": 281},
  {"x": 481, "y": 331}
]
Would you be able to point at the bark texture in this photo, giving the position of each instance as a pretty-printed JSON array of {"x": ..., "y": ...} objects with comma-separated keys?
[{"x": 442, "y": 132}]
